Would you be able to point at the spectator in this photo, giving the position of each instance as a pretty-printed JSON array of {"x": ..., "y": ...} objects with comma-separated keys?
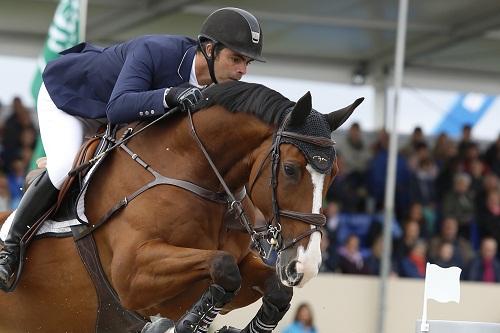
[
  {"x": 417, "y": 213},
  {"x": 462, "y": 249},
  {"x": 332, "y": 220},
  {"x": 350, "y": 257},
  {"x": 485, "y": 267},
  {"x": 355, "y": 151},
  {"x": 411, "y": 234},
  {"x": 303, "y": 321},
  {"x": 459, "y": 204},
  {"x": 489, "y": 217},
  {"x": 492, "y": 156},
  {"x": 470, "y": 155},
  {"x": 15, "y": 179},
  {"x": 416, "y": 141},
  {"x": 413, "y": 265},
  {"x": 328, "y": 258},
  {"x": 373, "y": 261},
  {"x": 465, "y": 141},
  {"x": 423, "y": 183},
  {"x": 329, "y": 239},
  {"x": 377, "y": 176},
  {"x": 443, "y": 149},
  {"x": 476, "y": 171},
  {"x": 446, "y": 256},
  {"x": 17, "y": 122},
  {"x": 355, "y": 155},
  {"x": 4, "y": 194},
  {"x": 449, "y": 168},
  {"x": 490, "y": 183}
]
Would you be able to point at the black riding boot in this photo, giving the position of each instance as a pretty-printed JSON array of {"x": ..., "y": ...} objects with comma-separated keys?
[
  {"x": 37, "y": 200},
  {"x": 201, "y": 315}
]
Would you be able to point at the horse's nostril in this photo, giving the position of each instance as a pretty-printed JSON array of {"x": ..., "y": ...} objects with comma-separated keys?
[
  {"x": 292, "y": 276},
  {"x": 291, "y": 269}
]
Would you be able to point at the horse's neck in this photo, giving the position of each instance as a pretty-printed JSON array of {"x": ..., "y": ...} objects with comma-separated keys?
[{"x": 230, "y": 139}]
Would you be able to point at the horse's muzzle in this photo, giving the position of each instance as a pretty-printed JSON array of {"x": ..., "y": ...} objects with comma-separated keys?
[{"x": 288, "y": 273}]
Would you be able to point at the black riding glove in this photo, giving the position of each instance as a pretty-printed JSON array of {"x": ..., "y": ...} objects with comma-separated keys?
[{"x": 184, "y": 97}]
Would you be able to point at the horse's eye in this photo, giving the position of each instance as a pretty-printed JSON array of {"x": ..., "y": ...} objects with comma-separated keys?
[{"x": 289, "y": 169}]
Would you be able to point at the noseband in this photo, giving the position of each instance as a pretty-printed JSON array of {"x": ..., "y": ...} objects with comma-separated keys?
[{"x": 271, "y": 232}]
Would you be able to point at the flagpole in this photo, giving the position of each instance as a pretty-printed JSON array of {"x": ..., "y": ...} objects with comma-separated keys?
[
  {"x": 390, "y": 184},
  {"x": 424, "y": 326},
  {"x": 83, "y": 20}
]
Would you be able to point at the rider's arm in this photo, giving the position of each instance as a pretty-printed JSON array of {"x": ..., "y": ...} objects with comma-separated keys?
[{"x": 132, "y": 98}]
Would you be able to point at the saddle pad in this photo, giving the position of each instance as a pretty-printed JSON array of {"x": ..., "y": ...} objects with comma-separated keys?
[{"x": 49, "y": 227}]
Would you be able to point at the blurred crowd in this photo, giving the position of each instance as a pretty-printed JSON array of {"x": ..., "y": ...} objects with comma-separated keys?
[
  {"x": 447, "y": 205},
  {"x": 18, "y": 135}
]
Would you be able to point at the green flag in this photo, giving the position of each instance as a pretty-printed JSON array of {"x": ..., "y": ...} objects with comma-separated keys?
[{"x": 63, "y": 33}]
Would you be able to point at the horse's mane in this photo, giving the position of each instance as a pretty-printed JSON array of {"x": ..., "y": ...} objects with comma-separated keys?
[{"x": 257, "y": 99}]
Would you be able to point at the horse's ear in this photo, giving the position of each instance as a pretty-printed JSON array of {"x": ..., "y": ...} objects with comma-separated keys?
[
  {"x": 337, "y": 118},
  {"x": 301, "y": 110}
]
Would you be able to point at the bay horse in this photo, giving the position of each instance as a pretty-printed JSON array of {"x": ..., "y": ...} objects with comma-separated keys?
[{"x": 169, "y": 252}]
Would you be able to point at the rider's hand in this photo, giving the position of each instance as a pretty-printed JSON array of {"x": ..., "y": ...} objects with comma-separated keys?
[{"x": 184, "y": 97}]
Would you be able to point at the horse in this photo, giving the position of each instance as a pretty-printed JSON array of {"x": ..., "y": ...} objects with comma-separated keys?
[{"x": 170, "y": 251}]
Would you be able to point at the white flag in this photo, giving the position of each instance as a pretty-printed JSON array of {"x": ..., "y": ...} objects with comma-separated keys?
[{"x": 442, "y": 284}]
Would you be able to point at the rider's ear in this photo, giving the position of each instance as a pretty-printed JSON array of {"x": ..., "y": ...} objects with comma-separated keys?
[
  {"x": 337, "y": 118},
  {"x": 208, "y": 49},
  {"x": 301, "y": 110}
]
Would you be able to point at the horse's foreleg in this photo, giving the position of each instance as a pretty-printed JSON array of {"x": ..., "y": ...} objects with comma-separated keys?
[
  {"x": 260, "y": 279},
  {"x": 227, "y": 281},
  {"x": 158, "y": 273}
]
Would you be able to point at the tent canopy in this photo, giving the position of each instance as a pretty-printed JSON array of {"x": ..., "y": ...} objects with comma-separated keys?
[{"x": 446, "y": 38}]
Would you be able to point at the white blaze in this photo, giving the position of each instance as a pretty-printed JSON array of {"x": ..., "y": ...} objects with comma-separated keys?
[{"x": 309, "y": 260}]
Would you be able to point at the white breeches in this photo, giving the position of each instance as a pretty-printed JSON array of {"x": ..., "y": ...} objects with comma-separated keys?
[{"x": 62, "y": 136}]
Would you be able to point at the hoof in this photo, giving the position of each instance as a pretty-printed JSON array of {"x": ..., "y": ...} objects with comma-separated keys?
[
  {"x": 158, "y": 325},
  {"x": 228, "y": 329}
]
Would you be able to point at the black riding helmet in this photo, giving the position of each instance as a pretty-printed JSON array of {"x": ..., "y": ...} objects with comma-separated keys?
[{"x": 236, "y": 29}]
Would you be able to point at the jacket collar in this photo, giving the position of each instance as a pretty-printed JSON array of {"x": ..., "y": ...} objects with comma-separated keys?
[{"x": 184, "y": 69}]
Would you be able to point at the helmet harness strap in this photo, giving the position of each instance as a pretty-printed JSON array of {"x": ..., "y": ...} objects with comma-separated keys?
[{"x": 210, "y": 59}]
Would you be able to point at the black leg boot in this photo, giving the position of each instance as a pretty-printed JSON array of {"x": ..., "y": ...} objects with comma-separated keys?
[
  {"x": 201, "y": 315},
  {"x": 264, "y": 321},
  {"x": 37, "y": 200}
]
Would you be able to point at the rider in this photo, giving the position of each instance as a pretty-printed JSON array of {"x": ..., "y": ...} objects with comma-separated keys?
[{"x": 142, "y": 78}]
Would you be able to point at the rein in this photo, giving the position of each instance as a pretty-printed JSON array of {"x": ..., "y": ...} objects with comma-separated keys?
[{"x": 127, "y": 135}]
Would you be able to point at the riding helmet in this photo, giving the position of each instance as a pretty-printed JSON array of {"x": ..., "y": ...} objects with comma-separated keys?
[{"x": 237, "y": 29}]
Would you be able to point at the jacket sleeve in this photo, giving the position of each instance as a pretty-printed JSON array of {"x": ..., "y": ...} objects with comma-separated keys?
[{"x": 131, "y": 98}]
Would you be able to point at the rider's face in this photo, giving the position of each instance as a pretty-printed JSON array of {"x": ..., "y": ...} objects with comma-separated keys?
[{"x": 230, "y": 65}]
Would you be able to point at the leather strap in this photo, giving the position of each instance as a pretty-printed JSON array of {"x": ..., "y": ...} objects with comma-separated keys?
[
  {"x": 217, "y": 197},
  {"x": 318, "y": 220},
  {"x": 315, "y": 140},
  {"x": 111, "y": 315}
]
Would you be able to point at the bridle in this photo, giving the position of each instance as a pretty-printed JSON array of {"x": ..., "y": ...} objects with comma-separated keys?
[{"x": 271, "y": 232}]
